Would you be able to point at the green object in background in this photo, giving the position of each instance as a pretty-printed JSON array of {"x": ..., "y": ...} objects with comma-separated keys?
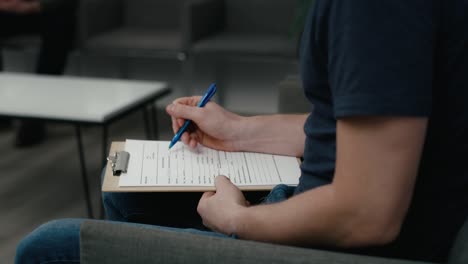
[{"x": 302, "y": 10}]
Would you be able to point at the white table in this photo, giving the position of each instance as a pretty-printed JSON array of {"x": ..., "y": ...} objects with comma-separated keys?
[{"x": 79, "y": 101}]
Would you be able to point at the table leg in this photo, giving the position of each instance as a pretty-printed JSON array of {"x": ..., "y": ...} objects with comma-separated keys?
[
  {"x": 154, "y": 120},
  {"x": 146, "y": 121},
  {"x": 104, "y": 145},
  {"x": 105, "y": 153},
  {"x": 84, "y": 173}
]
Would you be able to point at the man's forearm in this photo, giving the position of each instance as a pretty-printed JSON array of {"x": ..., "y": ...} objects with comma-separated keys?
[
  {"x": 274, "y": 134},
  {"x": 365, "y": 205},
  {"x": 317, "y": 217},
  {"x": 304, "y": 220}
]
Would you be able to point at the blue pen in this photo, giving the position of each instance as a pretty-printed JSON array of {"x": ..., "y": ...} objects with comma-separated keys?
[{"x": 208, "y": 95}]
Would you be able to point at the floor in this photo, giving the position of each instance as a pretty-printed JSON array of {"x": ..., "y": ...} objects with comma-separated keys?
[{"x": 42, "y": 183}]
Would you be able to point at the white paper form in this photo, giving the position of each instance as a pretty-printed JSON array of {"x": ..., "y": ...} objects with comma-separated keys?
[{"x": 153, "y": 164}]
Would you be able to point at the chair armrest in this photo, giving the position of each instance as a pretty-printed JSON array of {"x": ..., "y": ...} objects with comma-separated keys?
[
  {"x": 97, "y": 16},
  {"x": 202, "y": 18},
  {"x": 111, "y": 242}
]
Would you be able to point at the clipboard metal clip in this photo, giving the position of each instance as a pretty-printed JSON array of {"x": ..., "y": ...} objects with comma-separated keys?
[{"x": 119, "y": 162}]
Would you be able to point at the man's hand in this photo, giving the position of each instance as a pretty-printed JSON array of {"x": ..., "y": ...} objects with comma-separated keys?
[
  {"x": 213, "y": 126},
  {"x": 20, "y": 6},
  {"x": 220, "y": 209},
  {"x": 216, "y": 128}
]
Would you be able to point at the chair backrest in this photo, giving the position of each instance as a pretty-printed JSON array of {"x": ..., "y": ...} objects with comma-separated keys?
[
  {"x": 155, "y": 14},
  {"x": 459, "y": 251},
  {"x": 260, "y": 16}
]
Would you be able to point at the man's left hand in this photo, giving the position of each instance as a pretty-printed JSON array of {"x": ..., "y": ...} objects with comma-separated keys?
[{"x": 219, "y": 210}]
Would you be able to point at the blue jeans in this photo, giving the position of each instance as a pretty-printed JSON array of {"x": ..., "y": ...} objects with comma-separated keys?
[{"x": 58, "y": 241}]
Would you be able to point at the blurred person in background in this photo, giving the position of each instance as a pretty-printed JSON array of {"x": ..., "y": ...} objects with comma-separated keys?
[{"x": 54, "y": 21}]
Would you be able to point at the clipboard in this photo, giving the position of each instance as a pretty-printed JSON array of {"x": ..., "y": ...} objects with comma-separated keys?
[{"x": 111, "y": 182}]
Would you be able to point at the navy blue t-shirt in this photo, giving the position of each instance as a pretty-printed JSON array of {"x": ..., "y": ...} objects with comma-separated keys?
[{"x": 394, "y": 58}]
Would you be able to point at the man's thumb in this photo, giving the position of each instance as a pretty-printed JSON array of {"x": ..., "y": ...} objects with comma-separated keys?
[{"x": 222, "y": 183}]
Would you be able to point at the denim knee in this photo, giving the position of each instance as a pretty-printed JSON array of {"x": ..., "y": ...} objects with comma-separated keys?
[
  {"x": 110, "y": 202},
  {"x": 279, "y": 193},
  {"x": 55, "y": 241},
  {"x": 112, "y": 206},
  {"x": 119, "y": 206}
]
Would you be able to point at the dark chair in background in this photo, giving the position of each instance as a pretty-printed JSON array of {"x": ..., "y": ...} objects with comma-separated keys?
[
  {"x": 243, "y": 27},
  {"x": 24, "y": 43},
  {"x": 133, "y": 29},
  {"x": 251, "y": 30}
]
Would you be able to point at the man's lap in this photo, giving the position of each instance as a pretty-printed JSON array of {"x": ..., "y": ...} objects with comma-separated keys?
[
  {"x": 163, "y": 209},
  {"x": 59, "y": 240}
]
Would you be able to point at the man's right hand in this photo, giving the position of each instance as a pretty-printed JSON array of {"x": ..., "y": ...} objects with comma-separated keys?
[
  {"x": 20, "y": 6},
  {"x": 212, "y": 125}
]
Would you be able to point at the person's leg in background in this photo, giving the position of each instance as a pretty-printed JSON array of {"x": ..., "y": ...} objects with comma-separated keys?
[
  {"x": 58, "y": 30},
  {"x": 57, "y": 27},
  {"x": 11, "y": 25}
]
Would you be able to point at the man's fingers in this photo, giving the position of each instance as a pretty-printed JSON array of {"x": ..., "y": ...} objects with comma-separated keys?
[
  {"x": 185, "y": 108},
  {"x": 174, "y": 124},
  {"x": 192, "y": 100},
  {"x": 193, "y": 143},
  {"x": 222, "y": 183},
  {"x": 185, "y": 138},
  {"x": 180, "y": 122},
  {"x": 202, "y": 203},
  {"x": 207, "y": 195},
  {"x": 185, "y": 111}
]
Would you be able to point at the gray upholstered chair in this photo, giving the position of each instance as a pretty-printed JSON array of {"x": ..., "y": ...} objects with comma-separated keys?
[
  {"x": 243, "y": 27},
  {"x": 111, "y": 242},
  {"x": 133, "y": 28}
]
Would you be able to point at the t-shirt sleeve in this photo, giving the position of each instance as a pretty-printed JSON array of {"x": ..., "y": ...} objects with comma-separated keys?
[{"x": 380, "y": 57}]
